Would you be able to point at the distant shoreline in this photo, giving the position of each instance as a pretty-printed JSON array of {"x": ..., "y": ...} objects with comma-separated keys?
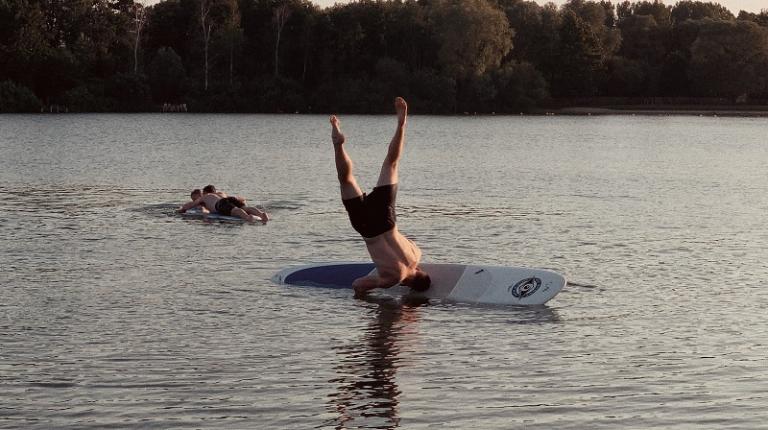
[
  {"x": 758, "y": 111},
  {"x": 661, "y": 110}
]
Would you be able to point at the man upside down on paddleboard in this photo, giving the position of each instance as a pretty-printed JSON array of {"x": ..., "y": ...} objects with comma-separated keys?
[{"x": 373, "y": 215}]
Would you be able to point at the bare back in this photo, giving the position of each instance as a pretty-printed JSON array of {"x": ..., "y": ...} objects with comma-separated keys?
[
  {"x": 395, "y": 256},
  {"x": 210, "y": 200}
]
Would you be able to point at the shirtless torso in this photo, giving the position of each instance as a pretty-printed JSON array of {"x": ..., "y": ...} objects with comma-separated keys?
[
  {"x": 206, "y": 200},
  {"x": 396, "y": 257}
]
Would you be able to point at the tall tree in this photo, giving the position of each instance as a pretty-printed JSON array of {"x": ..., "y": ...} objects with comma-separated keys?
[
  {"x": 760, "y": 18},
  {"x": 688, "y": 9},
  {"x": 173, "y": 24},
  {"x": 308, "y": 35},
  {"x": 166, "y": 76},
  {"x": 730, "y": 59},
  {"x": 526, "y": 18},
  {"x": 206, "y": 25},
  {"x": 233, "y": 33},
  {"x": 579, "y": 60},
  {"x": 660, "y": 12},
  {"x": 474, "y": 36},
  {"x": 643, "y": 38},
  {"x": 599, "y": 20},
  {"x": 281, "y": 14},
  {"x": 139, "y": 19}
]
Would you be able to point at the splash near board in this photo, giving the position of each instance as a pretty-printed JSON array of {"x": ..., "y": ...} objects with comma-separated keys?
[
  {"x": 453, "y": 282},
  {"x": 197, "y": 213}
]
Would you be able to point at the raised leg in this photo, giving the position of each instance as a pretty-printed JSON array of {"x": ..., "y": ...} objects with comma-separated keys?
[
  {"x": 349, "y": 187},
  {"x": 388, "y": 173}
]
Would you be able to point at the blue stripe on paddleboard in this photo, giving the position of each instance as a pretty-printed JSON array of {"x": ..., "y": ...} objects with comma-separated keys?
[{"x": 333, "y": 276}]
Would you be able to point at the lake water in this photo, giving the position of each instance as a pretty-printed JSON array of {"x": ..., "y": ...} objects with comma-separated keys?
[{"x": 116, "y": 313}]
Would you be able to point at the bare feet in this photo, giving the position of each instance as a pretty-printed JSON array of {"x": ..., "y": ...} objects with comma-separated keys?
[
  {"x": 243, "y": 214},
  {"x": 260, "y": 215},
  {"x": 401, "y": 107},
  {"x": 336, "y": 136}
]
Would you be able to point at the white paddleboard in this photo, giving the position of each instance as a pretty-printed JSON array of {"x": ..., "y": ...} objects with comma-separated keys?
[
  {"x": 453, "y": 282},
  {"x": 197, "y": 213}
]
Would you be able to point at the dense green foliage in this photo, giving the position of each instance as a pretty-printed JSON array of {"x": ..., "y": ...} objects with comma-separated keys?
[
  {"x": 16, "y": 98},
  {"x": 444, "y": 55}
]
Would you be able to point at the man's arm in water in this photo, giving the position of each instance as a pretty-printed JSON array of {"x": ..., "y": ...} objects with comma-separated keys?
[{"x": 189, "y": 205}]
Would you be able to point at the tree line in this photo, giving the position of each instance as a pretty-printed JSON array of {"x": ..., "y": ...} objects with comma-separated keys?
[{"x": 445, "y": 56}]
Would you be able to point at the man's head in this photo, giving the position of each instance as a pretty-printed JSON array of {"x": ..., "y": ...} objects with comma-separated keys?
[
  {"x": 208, "y": 189},
  {"x": 419, "y": 281},
  {"x": 196, "y": 194}
]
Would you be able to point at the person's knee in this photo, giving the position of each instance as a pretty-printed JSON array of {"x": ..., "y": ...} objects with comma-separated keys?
[
  {"x": 389, "y": 169},
  {"x": 387, "y": 176},
  {"x": 390, "y": 164}
]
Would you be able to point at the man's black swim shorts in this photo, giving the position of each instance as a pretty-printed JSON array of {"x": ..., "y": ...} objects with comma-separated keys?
[
  {"x": 374, "y": 213},
  {"x": 224, "y": 206}
]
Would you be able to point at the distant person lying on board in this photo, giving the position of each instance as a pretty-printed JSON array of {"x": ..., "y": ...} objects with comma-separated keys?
[
  {"x": 219, "y": 202},
  {"x": 373, "y": 215}
]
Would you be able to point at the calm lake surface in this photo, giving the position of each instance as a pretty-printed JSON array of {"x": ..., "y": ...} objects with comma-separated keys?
[{"x": 117, "y": 313}]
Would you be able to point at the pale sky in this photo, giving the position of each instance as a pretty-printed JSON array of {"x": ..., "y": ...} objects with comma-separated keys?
[{"x": 734, "y": 5}]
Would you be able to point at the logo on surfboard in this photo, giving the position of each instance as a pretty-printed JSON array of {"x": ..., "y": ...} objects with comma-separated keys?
[{"x": 526, "y": 287}]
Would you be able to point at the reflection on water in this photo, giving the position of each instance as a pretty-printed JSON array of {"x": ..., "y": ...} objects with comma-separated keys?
[
  {"x": 367, "y": 393},
  {"x": 367, "y": 390},
  {"x": 536, "y": 315}
]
